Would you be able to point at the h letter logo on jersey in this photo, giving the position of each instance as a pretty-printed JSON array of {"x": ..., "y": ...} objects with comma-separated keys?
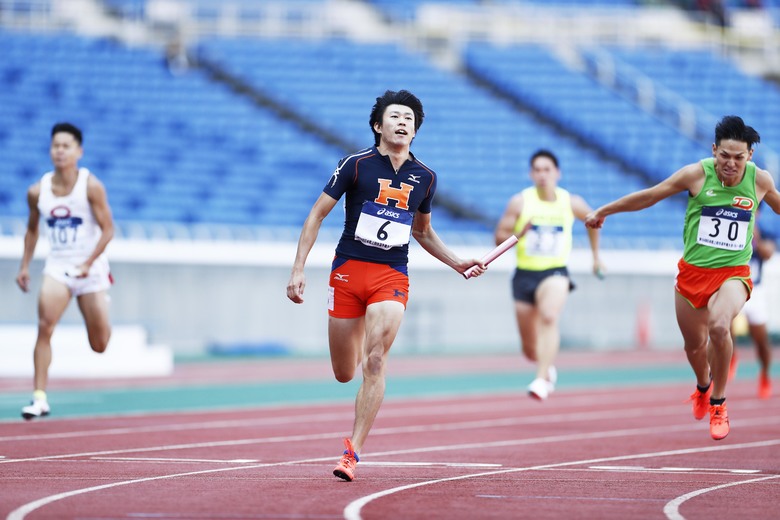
[{"x": 399, "y": 195}]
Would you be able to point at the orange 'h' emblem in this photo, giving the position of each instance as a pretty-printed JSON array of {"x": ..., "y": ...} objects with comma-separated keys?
[{"x": 400, "y": 195}]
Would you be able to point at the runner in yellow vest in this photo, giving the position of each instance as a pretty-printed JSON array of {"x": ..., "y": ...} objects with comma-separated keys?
[
  {"x": 542, "y": 216},
  {"x": 713, "y": 280}
]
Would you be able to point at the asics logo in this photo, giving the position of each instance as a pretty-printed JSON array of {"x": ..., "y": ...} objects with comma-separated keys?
[
  {"x": 391, "y": 214},
  {"x": 711, "y": 193},
  {"x": 340, "y": 277},
  {"x": 726, "y": 213}
]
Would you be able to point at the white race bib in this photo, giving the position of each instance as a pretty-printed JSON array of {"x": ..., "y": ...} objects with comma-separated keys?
[
  {"x": 541, "y": 240},
  {"x": 64, "y": 232},
  {"x": 382, "y": 226},
  {"x": 723, "y": 227}
]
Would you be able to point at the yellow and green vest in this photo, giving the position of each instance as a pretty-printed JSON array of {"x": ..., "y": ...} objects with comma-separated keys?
[{"x": 547, "y": 243}]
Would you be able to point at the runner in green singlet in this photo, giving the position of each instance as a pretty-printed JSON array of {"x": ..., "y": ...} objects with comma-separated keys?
[{"x": 713, "y": 282}]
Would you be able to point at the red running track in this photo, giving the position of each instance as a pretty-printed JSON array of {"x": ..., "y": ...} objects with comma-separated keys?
[{"x": 609, "y": 454}]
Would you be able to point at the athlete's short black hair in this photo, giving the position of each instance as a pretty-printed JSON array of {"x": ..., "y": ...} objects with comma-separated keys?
[
  {"x": 543, "y": 153},
  {"x": 391, "y": 97},
  {"x": 734, "y": 128},
  {"x": 68, "y": 128}
]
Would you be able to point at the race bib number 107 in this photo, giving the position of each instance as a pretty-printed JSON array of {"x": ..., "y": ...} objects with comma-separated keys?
[{"x": 724, "y": 227}]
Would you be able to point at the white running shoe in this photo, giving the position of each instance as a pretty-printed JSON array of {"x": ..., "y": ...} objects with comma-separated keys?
[
  {"x": 539, "y": 389},
  {"x": 37, "y": 408}
]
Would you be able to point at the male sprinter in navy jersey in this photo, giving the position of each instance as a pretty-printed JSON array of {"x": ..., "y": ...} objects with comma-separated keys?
[{"x": 388, "y": 199}]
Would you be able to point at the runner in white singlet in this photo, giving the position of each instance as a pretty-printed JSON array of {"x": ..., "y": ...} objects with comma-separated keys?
[{"x": 72, "y": 204}]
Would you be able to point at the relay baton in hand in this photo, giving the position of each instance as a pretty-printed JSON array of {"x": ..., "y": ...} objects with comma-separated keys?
[{"x": 499, "y": 250}]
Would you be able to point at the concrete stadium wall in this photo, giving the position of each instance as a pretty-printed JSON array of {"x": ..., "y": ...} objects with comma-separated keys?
[{"x": 193, "y": 295}]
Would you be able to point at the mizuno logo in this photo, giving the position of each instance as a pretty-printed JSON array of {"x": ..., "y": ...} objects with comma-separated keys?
[
  {"x": 340, "y": 277},
  {"x": 414, "y": 178},
  {"x": 711, "y": 193}
]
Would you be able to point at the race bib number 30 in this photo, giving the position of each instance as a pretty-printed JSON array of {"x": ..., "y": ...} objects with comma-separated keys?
[
  {"x": 724, "y": 227},
  {"x": 382, "y": 226}
]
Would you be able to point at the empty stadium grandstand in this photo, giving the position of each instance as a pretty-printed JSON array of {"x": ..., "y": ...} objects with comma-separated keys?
[{"x": 261, "y": 120}]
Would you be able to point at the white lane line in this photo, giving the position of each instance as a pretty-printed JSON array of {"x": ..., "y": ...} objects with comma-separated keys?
[
  {"x": 672, "y": 508},
  {"x": 20, "y": 512},
  {"x": 675, "y": 470},
  {"x": 212, "y": 444},
  {"x": 388, "y": 411},
  {"x": 570, "y": 497},
  {"x": 482, "y": 424},
  {"x": 585, "y": 416},
  {"x": 353, "y": 509},
  {"x": 389, "y": 464},
  {"x": 383, "y": 464},
  {"x": 163, "y": 459},
  {"x": 201, "y": 425},
  {"x": 688, "y": 426},
  {"x": 491, "y": 423}
]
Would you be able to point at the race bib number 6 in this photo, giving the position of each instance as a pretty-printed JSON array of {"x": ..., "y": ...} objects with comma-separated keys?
[
  {"x": 724, "y": 227},
  {"x": 382, "y": 226}
]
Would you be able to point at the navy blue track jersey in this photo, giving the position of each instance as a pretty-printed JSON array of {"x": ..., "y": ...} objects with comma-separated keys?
[{"x": 380, "y": 205}]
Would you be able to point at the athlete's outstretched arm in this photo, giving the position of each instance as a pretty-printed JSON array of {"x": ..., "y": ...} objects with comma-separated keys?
[
  {"x": 311, "y": 228},
  {"x": 690, "y": 178},
  {"x": 423, "y": 232}
]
